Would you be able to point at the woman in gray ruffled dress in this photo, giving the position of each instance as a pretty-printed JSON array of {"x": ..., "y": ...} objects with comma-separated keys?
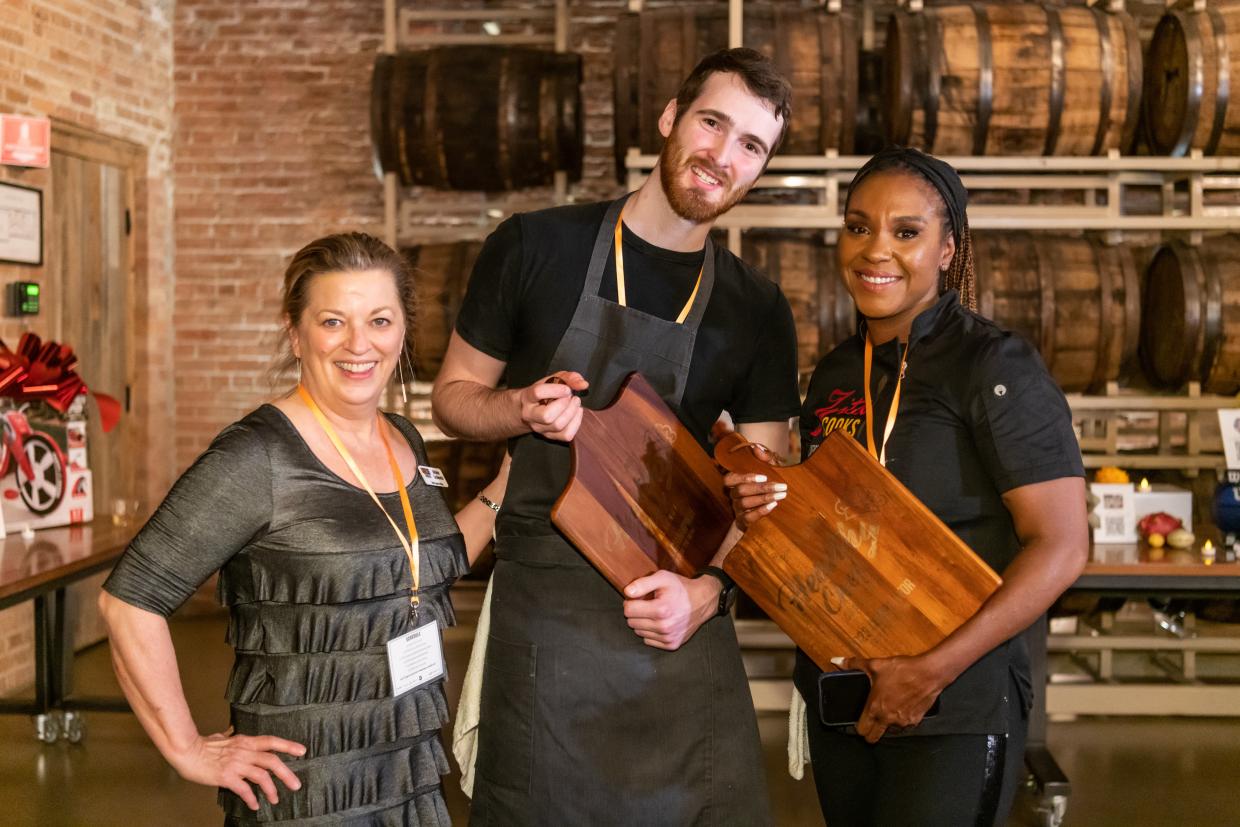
[{"x": 326, "y": 565}]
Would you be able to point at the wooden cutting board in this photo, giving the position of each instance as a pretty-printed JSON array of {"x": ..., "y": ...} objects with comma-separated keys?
[
  {"x": 642, "y": 494},
  {"x": 851, "y": 563}
]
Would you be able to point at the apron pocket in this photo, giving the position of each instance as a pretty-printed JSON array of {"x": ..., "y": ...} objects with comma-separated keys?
[{"x": 506, "y": 735}]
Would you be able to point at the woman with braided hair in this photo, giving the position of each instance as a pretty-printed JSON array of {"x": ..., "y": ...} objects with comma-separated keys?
[{"x": 967, "y": 417}]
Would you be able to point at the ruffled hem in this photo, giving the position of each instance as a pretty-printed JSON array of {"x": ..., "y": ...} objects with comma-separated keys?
[
  {"x": 351, "y": 781},
  {"x": 338, "y": 728},
  {"x": 423, "y": 809},
  {"x": 297, "y": 680},
  {"x": 291, "y": 576},
  {"x": 290, "y": 628}
]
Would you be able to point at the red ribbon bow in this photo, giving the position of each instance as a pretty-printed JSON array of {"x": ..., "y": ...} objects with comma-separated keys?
[{"x": 44, "y": 371}]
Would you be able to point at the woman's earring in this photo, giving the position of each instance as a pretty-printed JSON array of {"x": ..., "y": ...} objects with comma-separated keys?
[
  {"x": 400, "y": 369},
  {"x": 299, "y": 372}
]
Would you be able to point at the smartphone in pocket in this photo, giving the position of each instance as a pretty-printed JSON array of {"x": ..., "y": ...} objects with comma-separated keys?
[{"x": 842, "y": 695}]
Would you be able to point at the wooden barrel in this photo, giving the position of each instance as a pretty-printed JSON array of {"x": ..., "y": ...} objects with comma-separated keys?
[
  {"x": 1191, "y": 73},
  {"x": 656, "y": 49},
  {"x": 1012, "y": 79},
  {"x": 806, "y": 270},
  {"x": 1077, "y": 300},
  {"x": 1190, "y": 320},
  {"x": 441, "y": 274},
  {"x": 477, "y": 117}
]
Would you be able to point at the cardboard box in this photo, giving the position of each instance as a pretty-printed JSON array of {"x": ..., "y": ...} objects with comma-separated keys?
[
  {"x": 53, "y": 486},
  {"x": 1116, "y": 513}
]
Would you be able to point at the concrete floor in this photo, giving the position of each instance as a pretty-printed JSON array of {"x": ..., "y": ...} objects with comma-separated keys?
[{"x": 1124, "y": 771}]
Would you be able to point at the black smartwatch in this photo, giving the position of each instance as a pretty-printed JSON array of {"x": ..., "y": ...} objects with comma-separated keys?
[{"x": 727, "y": 595}]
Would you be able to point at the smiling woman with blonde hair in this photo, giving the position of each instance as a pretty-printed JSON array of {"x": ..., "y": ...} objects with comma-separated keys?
[{"x": 335, "y": 551}]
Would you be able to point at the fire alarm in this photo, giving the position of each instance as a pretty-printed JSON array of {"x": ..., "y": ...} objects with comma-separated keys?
[{"x": 22, "y": 298}]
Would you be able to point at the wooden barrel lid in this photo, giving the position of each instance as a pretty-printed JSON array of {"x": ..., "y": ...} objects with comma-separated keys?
[
  {"x": 1173, "y": 84},
  {"x": 900, "y": 56},
  {"x": 1171, "y": 316},
  {"x": 381, "y": 143}
]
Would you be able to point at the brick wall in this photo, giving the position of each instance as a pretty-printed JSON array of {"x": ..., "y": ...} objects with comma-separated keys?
[
  {"x": 106, "y": 66},
  {"x": 272, "y": 150}
]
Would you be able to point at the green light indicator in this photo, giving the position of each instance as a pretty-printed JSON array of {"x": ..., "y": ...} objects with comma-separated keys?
[{"x": 32, "y": 290}]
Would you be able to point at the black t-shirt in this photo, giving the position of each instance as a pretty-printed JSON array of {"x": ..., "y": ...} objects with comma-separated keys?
[
  {"x": 979, "y": 415},
  {"x": 531, "y": 271}
]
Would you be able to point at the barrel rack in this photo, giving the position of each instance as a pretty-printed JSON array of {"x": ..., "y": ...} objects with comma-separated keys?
[
  {"x": 402, "y": 27},
  {"x": 1114, "y": 195}
]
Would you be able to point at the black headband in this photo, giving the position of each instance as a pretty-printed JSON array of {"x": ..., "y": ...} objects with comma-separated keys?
[{"x": 938, "y": 173}]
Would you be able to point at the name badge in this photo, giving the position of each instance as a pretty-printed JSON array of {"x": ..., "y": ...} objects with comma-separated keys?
[
  {"x": 433, "y": 476},
  {"x": 415, "y": 658}
]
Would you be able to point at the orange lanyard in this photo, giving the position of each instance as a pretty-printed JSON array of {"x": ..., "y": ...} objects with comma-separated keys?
[
  {"x": 410, "y": 545},
  {"x": 620, "y": 298},
  {"x": 880, "y": 453}
]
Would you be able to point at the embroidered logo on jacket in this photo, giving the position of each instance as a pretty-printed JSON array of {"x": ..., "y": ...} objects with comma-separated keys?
[{"x": 845, "y": 409}]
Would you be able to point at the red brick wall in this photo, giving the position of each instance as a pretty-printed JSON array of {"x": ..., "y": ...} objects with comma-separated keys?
[
  {"x": 104, "y": 65},
  {"x": 272, "y": 150}
]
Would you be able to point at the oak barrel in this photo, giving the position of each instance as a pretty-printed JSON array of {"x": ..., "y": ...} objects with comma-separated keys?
[
  {"x": 1077, "y": 300},
  {"x": 1191, "y": 73},
  {"x": 1012, "y": 79},
  {"x": 656, "y": 49},
  {"x": 1190, "y": 320},
  {"x": 806, "y": 270},
  {"x": 477, "y": 117},
  {"x": 441, "y": 273}
]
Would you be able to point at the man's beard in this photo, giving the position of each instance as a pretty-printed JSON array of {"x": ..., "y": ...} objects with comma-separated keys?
[{"x": 686, "y": 201}]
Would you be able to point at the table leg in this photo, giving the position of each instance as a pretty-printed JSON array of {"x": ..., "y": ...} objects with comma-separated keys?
[
  {"x": 60, "y": 655},
  {"x": 46, "y": 721},
  {"x": 1049, "y": 781}
]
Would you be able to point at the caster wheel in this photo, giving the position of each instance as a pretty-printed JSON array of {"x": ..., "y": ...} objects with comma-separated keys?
[
  {"x": 1053, "y": 811},
  {"x": 47, "y": 727},
  {"x": 74, "y": 728}
]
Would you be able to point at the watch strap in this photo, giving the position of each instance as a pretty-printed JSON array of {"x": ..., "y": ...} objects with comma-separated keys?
[{"x": 727, "y": 594}]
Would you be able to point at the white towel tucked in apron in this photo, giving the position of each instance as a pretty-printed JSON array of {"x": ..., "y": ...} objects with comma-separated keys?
[{"x": 465, "y": 730}]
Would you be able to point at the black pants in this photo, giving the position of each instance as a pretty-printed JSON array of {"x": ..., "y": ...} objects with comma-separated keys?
[{"x": 927, "y": 781}]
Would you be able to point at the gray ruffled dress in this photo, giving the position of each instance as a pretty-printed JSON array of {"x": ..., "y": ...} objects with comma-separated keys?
[{"x": 316, "y": 584}]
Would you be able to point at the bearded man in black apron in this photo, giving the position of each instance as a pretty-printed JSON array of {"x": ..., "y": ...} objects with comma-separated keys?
[{"x": 599, "y": 708}]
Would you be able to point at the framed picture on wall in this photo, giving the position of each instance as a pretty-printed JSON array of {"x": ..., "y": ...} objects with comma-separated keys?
[{"x": 21, "y": 224}]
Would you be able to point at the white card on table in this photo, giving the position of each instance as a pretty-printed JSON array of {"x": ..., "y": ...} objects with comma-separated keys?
[
  {"x": 433, "y": 476},
  {"x": 415, "y": 658}
]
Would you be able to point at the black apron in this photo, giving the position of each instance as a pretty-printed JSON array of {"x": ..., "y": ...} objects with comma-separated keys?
[{"x": 581, "y": 722}]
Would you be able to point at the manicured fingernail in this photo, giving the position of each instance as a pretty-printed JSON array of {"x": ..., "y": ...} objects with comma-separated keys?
[
  {"x": 781, "y": 486},
  {"x": 779, "y": 495},
  {"x": 770, "y": 506},
  {"x": 759, "y": 478}
]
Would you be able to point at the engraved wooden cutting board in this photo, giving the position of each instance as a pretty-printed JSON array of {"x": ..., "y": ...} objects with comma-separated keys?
[
  {"x": 851, "y": 563},
  {"x": 642, "y": 494}
]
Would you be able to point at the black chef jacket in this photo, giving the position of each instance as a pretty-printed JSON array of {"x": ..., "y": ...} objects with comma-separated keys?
[{"x": 979, "y": 415}]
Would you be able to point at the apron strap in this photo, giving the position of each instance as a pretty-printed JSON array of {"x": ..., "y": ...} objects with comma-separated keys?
[
  {"x": 603, "y": 244},
  {"x": 602, "y": 247}
]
